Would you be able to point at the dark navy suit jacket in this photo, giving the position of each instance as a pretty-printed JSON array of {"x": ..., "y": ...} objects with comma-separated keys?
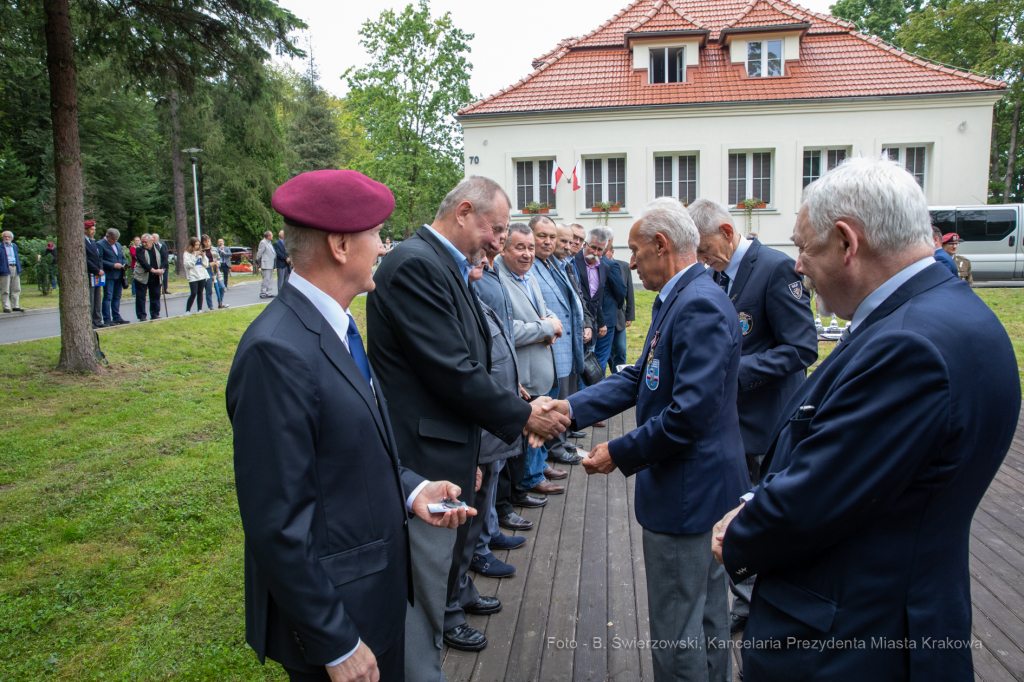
[
  {"x": 860, "y": 528},
  {"x": 779, "y": 339},
  {"x": 111, "y": 254},
  {"x": 947, "y": 260},
  {"x": 281, "y": 252},
  {"x": 687, "y": 447},
  {"x": 594, "y": 304},
  {"x": 320, "y": 490},
  {"x": 614, "y": 293},
  {"x": 5, "y": 267},
  {"x": 93, "y": 261}
]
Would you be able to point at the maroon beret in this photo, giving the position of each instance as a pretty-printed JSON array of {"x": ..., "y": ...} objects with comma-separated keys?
[
  {"x": 334, "y": 201},
  {"x": 90, "y": 223},
  {"x": 951, "y": 237}
]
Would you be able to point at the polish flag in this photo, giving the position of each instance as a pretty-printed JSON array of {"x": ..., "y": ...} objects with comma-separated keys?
[
  {"x": 577, "y": 180},
  {"x": 556, "y": 175}
]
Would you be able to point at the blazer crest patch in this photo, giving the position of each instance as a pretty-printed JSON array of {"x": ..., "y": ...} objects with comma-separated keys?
[
  {"x": 746, "y": 323},
  {"x": 797, "y": 289}
]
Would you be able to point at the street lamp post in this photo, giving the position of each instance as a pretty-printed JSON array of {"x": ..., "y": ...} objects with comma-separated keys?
[{"x": 192, "y": 151}]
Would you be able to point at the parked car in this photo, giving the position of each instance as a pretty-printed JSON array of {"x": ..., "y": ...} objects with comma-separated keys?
[
  {"x": 237, "y": 252},
  {"x": 989, "y": 237}
]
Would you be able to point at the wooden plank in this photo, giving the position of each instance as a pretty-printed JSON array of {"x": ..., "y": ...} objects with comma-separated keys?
[
  {"x": 991, "y": 660},
  {"x": 639, "y": 568},
  {"x": 999, "y": 533},
  {"x": 621, "y": 635},
  {"x": 1008, "y": 597},
  {"x": 558, "y": 654},
  {"x": 986, "y": 665},
  {"x": 999, "y": 638},
  {"x": 1003, "y": 559},
  {"x": 999, "y": 567},
  {"x": 528, "y": 635},
  {"x": 1013, "y": 524},
  {"x": 591, "y": 663}
]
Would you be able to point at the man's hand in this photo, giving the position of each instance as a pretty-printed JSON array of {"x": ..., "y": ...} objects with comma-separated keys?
[
  {"x": 359, "y": 667},
  {"x": 718, "y": 532},
  {"x": 557, "y": 324},
  {"x": 545, "y": 422},
  {"x": 602, "y": 332},
  {"x": 588, "y": 334},
  {"x": 479, "y": 479},
  {"x": 523, "y": 393},
  {"x": 435, "y": 492},
  {"x": 629, "y": 323},
  {"x": 599, "y": 461}
]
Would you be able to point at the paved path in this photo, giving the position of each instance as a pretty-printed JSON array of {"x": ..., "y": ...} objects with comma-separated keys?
[
  {"x": 581, "y": 579},
  {"x": 41, "y": 324}
]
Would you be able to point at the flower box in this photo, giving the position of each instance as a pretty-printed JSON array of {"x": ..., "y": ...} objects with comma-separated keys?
[
  {"x": 245, "y": 267},
  {"x": 539, "y": 210},
  {"x": 741, "y": 207},
  {"x": 598, "y": 209}
]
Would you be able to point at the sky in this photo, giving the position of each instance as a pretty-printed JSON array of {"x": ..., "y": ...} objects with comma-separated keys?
[{"x": 508, "y": 35}]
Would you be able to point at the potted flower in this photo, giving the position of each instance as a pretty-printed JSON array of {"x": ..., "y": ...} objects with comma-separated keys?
[
  {"x": 749, "y": 206},
  {"x": 535, "y": 207}
]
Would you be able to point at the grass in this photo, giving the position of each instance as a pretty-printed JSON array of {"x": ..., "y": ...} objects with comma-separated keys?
[{"x": 120, "y": 542}]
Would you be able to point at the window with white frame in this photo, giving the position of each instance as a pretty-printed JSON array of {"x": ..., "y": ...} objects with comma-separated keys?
[
  {"x": 750, "y": 177},
  {"x": 533, "y": 182},
  {"x": 675, "y": 175},
  {"x": 817, "y": 162},
  {"x": 667, "y": 65},
  {"x": 911, "y": 158},
  {"x": 764, "y": 58},
  {"x": 605, "y": 180}
]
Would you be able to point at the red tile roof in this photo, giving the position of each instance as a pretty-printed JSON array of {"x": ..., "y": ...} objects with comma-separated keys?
[{"x": 596, "y": 70}]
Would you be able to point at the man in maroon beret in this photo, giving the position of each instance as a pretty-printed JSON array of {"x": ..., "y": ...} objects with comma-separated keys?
[
  {"x": 94, "y": 266},
  {"x": 323, "y": 497}
]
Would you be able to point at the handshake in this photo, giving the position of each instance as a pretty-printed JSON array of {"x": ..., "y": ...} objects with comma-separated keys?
[{"x": 548, "y": 418}]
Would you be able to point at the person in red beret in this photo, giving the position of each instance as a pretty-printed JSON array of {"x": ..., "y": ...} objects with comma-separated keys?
[
  {"x": 94, "y": 265},
  {"x": 324, "y": 500}
]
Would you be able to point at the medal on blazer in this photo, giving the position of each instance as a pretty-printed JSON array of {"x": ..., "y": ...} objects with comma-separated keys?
[{"x": 653, "y": 376}]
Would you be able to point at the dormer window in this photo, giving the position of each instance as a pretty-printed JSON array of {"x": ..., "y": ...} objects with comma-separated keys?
[
  {"x": 667, "y": 65},
  {"x": 764, "y": 58}
]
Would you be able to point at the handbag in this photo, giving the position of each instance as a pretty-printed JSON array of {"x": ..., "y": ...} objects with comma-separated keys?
[{"x": 593, "y": 372}]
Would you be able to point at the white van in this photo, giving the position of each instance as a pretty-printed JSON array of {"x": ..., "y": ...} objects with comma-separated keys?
[{"x": 989, "y": 237}]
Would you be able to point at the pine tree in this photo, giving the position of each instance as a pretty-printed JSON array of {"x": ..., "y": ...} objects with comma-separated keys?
[{"x": 313, "y": 135}]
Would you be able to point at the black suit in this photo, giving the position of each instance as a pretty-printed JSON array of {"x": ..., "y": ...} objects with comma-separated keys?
[
  {"x": 594, "y": 305},
  {"x": 431, "y": 347},
  {"x": 94, "y": 265},
  {"x": 283, "y": 267},
  {"x": 320, "y": 491},
  {"x": 166, "y": 258}
]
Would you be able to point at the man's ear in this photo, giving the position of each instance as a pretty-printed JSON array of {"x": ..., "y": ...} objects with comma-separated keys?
[
  {"x": 662, "y": 242},
  {"x": 727, "y": 231},
  {"x": 338, "y": 246},
  {"x": 850, "y": 240},
  {"x": 462, "y": 211}
]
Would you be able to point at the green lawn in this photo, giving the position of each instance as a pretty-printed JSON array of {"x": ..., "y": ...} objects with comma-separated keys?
[{"x": 120, "y": 543}]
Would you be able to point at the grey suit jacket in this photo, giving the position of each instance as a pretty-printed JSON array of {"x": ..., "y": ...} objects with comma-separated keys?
[
  {"x": 265, "y": 255},
  {"x": 531, "y": 333}
]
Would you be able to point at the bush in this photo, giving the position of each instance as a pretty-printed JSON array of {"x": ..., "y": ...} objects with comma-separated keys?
[{"x": 28, "y": 249}]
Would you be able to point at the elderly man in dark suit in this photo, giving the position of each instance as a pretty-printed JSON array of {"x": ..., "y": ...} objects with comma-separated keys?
[
  {"x": 323, "y": 497},
  {"x": 431, "y": 350},
  {"x": 624, "y": 314},
  {"x": 859, "y": 529},
  {"x": 687, "y": 451},
  {"x": 114, "y": 268},
  {"x": 165, "y": 258},
  {"x": 284, "y": 262},
  {"x": 94, "y": 266}
]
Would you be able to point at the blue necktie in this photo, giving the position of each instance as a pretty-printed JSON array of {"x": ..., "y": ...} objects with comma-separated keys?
[
  {"x": 355, "y": 346},
  {"x": 655, "y": 308}
]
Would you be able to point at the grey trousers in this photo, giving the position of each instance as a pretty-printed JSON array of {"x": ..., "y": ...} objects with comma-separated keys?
[
  {"x": 489, "y": 527},
  {"x": 282, "y": 276},
  {"x": 96, "y": 303},
  {"x": 10, "y": 290},
  {"x": 268, "y": 279},
  {"x": 689, "y": 608},
  {"x": 430, "y": 555}
]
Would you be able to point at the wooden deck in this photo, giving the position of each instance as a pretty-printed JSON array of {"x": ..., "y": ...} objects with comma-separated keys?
[{"x": 581, "y": 581}]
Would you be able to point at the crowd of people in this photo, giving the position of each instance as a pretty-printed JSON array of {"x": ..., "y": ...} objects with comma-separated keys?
[{"x": 833, "y": 507}]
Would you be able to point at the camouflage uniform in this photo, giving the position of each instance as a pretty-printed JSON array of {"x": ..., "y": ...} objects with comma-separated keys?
[{"x": 963, "y": 266}]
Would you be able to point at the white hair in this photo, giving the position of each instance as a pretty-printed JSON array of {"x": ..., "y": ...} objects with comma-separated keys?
[
  {"x": 709, "y": 216},
  {"x": 146, "y": 236},
  {"x": 876, "y": 193},
  {"x": 601, "y": 234},
  {"x": 669, "y": 217},
  {"x": 479, "y": 191}
]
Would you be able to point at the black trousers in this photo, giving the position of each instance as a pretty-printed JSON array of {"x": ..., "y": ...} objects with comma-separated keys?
[
  {"x": 153, "y": 288},
  {"x": 390, "y": 663},
  {"x": 510, "y": 489}
]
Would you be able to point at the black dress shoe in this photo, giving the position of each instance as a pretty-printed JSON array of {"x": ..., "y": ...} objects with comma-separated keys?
[
  {"x": 531, "y": 502},
  {"x": 576, "y": 434},
  {"x": 736, "y": 623},
  {"x": 565, "y": 459},
  {"x": 484, "y": 606},
  {"x": 465, "y": 638},
  {"x": 515, "y": 522}
]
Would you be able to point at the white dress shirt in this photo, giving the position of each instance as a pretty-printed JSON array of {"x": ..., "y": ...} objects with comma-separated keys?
[{"x": 339, "y": 318}]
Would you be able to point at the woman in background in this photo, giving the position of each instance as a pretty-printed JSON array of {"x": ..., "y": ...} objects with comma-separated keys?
[{"x": 196, "y": 265}]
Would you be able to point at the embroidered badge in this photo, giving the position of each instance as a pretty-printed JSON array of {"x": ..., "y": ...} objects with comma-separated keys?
[
  {"x": 797, "y": 289},
  {"x": 653, "y": 374},
  {"x": 746, "y": 323}
]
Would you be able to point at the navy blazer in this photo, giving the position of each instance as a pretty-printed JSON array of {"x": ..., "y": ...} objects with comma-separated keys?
[
  {"x": 5, "y": 267},
  {"x": 687, "y": 447},
  {"x": 320, "y": 490},
  {"x": 281, "y": 253},
  {"x": 93, "y": 260},
  {"x": 614, "y": 293},
  {"x": 860, "y": 528},
  {"x": 779, "y": 339},
  {"x": 947, "y": 260},
  {"x": 111, "y": 256},
  {"x": 593, "y": 304}
]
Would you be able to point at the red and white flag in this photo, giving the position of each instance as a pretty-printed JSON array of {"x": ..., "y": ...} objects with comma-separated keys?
[
  {"x": 556, "y": 175},
  {"x": 577, "y": 176}
]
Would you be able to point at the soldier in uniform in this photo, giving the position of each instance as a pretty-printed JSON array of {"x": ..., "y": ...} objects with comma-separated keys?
[{"x": 950, "y": 244}]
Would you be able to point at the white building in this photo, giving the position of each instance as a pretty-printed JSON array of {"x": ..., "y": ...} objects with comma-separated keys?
[{"x": 730, "y": 100}]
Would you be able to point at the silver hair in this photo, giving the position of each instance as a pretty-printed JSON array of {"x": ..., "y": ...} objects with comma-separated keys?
[
  {"x": 146, "y": 236},
  {"x": 878, "y": 194},
  {"x": 669, "y": 217},
  {"x": 708, "y": 216},
  {"x": 518, "y": 228},
  {"x": 268, "y": 233},
  {"x": 7, "y": 232},
  {"x": 303, "y": 243},
  {"x": 602, "y": 234},
  {"x": 113, "y": 232},
  {"x": 478, "y": 191}
]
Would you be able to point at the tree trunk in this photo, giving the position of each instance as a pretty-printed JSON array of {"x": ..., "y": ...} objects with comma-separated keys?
[
  {"x": 77, "y": 344},
  {"x": 1012, "y": 156},
  {"x": 180, "y": 210},
  {"x": 993, "y": 161},
  {"x": 205, "y": 226}
]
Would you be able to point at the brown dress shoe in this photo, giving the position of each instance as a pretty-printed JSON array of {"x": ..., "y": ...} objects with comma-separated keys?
[
  {"x": 548, "y": 488},
  {"x": 555, "y": 474}
]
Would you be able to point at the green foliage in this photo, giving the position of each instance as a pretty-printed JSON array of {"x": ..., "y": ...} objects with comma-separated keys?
[
  {"x": 28, "y": 249},
  {"x": 882, "y": 18},
  {"x": 19, "y": 205},
  {"x": 46, "y": 267},
  {"x": 405, "y": 99}
]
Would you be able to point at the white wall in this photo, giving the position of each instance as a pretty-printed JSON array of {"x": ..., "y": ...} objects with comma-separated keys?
[{"x": 956, "y": 172}]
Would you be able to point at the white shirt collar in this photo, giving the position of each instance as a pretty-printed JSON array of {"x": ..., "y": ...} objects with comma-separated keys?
[
  {"x": 670, "y": 285},
  {"x": 878, "y": 296},
  {"x": 332, "y": 311},
  {"x": 734, "y": 262}
]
